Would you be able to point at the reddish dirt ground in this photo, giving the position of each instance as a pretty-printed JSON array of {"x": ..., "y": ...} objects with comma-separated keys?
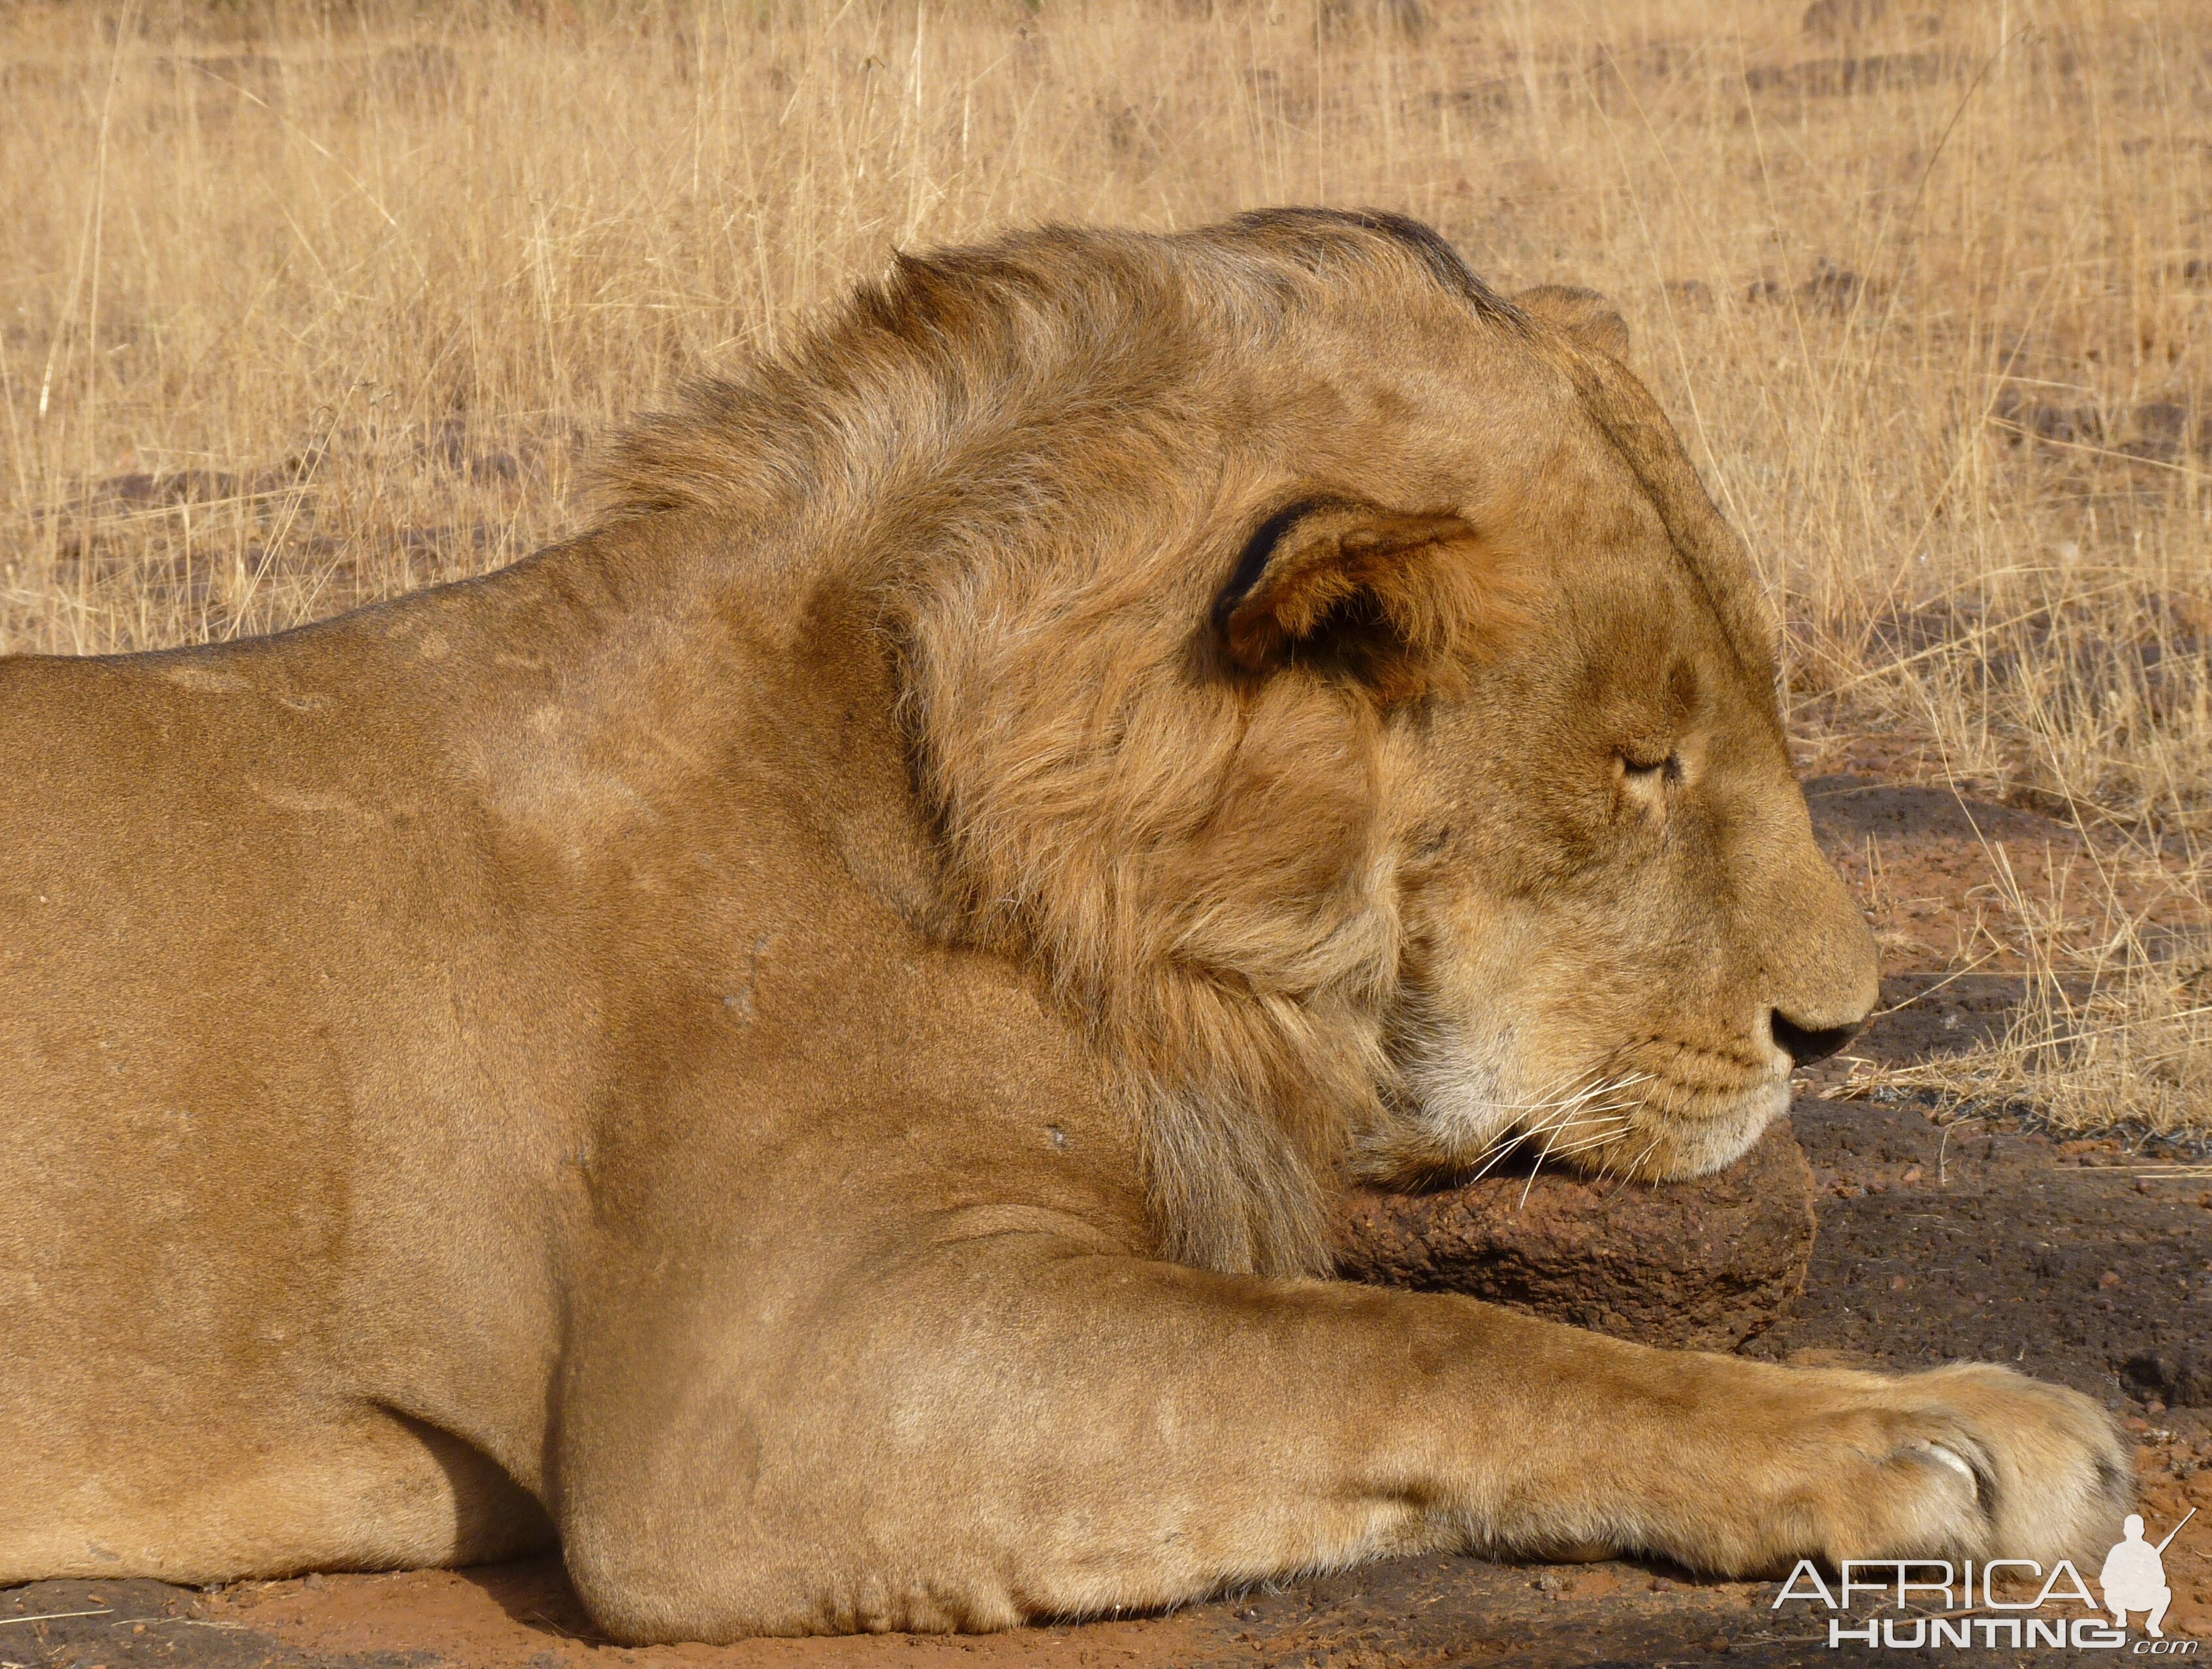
[{"x": 1936, "y": 1241}]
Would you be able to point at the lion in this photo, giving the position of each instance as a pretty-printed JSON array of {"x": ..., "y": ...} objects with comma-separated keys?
[{"x": 798, "y": 1045}]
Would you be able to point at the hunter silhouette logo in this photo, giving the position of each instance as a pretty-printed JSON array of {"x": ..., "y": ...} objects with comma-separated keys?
[{"x": 2134, "y": 1577}]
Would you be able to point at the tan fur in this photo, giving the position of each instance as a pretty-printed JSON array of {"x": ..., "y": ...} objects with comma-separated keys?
[{"x": 800, "y": 1042}]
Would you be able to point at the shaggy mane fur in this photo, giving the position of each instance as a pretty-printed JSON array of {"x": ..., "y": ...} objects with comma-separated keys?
[{"x": 1036, "y": 456}]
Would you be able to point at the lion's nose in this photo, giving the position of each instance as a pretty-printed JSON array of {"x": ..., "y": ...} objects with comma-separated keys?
[{"x": 1807, "y": 1044}]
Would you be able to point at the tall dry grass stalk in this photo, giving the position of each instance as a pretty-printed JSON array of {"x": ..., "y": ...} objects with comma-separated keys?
[{"x": 304, "y": 307}]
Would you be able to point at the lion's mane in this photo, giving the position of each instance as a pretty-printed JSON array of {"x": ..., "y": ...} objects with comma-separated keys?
[{"x": 1030, "y": 458}]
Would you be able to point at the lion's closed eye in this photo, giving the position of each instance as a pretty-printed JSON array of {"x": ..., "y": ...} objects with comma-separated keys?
[
  {"x": 1649, "y": 768},
  {"x": 1645, "y": 774}
]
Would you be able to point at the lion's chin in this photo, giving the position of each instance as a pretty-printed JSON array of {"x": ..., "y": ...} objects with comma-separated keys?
[
  {"x": 1470, "y": 1112},
  {"x": 1665, "y": 1144},
  {"x": 1647, "y": 1141}
]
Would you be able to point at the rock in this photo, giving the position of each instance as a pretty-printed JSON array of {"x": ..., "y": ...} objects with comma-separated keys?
[
  {"x": 2179, "y": 1377},
  {"x": 1704, "y": 1265}
]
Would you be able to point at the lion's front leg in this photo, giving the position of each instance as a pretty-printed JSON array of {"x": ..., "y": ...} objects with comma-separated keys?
[{"x": 1021, "y": 1427}]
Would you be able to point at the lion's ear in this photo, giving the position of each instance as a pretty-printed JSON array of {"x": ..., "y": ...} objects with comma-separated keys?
[
  {"x": 1583, "y": 314},
  {"x": 1402, "y": 599}
]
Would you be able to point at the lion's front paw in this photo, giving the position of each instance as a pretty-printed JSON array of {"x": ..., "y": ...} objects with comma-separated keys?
[
  {"x": 2055, "y": 1477},
  {"x": 1964, "y": 1462}
]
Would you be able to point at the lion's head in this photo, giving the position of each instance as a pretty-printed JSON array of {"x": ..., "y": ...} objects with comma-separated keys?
[{"x": 1333, "y": 678}]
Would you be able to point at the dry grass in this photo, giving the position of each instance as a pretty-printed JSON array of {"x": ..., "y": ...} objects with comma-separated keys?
[
  {"x": 2113, "y": 1033},
  {"x": 302, "y": 309}
]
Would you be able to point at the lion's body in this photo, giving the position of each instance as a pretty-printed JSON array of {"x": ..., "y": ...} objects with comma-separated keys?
[
  {"x": 797, "y": 1042},
  {"x": 320, "y": 1064}
]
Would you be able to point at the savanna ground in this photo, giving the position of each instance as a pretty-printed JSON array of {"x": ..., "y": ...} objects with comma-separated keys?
[{"x": 305, "y": 306}]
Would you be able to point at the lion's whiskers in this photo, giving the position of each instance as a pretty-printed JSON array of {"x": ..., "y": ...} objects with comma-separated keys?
[
  {"x": 1610, "y": 1125},
  {"x": 1576, "y": 1111}
]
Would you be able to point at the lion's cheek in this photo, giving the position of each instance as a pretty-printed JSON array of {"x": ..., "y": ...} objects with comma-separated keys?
[{"x": 1520, "y": 1034}]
